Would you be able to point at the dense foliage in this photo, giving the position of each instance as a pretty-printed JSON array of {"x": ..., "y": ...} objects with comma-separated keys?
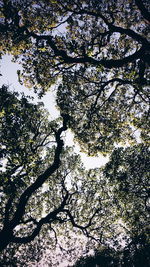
[
  {"x": 135, "y": 254},
  {"x": 96, "y": 55},
  {"x": 44, "y": 188}
]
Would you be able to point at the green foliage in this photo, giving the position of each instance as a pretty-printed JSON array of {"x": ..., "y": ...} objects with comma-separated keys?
[
  {"x": 96, "y": 55},
  {"x": 108, "y": 205},
  {"x": 129, "y": 170},
  {"x": 136, "y": 254},
  {"x": 105, "y": 257},
  {"x": 27, "y": 150}
]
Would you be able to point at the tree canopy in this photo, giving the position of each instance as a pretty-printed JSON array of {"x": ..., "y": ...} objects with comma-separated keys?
[
  {"x": 45, "y": 190},
  {"x": 96, "y": 55},
  {"x": 95, "y": 52},
  {"x": 134, "y": 255}
]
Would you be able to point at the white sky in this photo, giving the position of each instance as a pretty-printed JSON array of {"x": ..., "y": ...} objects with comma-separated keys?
[{"x": 9, "y": 77}]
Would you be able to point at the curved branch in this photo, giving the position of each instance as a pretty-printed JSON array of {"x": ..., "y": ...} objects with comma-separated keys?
[
  {"x": 107, "y": 63},
  {"x": 80, "y": 226},
  {"x": 50, "y": 218},
  {"x": 114, "y": 28},
  {"x": 41, "y": 178},
  {"x": 131, "y": 34},
  {"x": 7, "y": 231},
  {"x": 110, "y": 63},
  {"x": 143, "y": 10}
]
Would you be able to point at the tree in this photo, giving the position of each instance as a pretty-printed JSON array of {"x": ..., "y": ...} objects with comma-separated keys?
[
  {"x": 135, "y": 254},
  {"x": 24, "y": 134},
  {"x": 27, "y": 163},
  {"x": 42, "y": 184},
  {"x": 104, "y": 257},
  {"x": 96, "y": 52},
  {"x": 45, "y": 191},
  {"x": 128, "y": 176},
  {"x": 129, "y": 168}
]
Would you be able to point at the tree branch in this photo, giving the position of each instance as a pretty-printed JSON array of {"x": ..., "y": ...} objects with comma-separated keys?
[
  {"x": 50, "y": 218},
  {"x": 41, "y": 178},
  {"x": 143, "y": 10},
  {"x": 114, "y": 28},
  {"x": 80, "y": 226}
]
